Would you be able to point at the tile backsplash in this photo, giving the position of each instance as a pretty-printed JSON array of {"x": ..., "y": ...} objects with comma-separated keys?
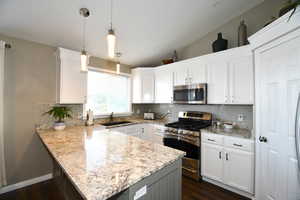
[{"x": 222, "y": 112}]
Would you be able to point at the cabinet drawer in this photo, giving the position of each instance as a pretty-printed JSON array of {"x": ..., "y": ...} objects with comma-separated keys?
[
  {"x": 237, "y": 143},
  {"x": 212, "y": 138}
]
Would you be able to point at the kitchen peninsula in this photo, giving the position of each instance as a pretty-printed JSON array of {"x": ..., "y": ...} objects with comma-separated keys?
[{"x": 101, "y": 164}]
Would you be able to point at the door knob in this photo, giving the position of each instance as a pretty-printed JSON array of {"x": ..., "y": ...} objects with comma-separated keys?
[{"x": 263, "y": 139}]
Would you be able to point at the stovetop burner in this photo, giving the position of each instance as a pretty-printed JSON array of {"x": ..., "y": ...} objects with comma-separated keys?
[
  {"x": 192, "y": 121},
  {"x": 189, "y": 126}
]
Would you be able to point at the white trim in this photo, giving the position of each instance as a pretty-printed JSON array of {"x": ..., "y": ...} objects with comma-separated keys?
[
  {"x": 2, "y": 156},
  {"x": 22, "y": 184}
]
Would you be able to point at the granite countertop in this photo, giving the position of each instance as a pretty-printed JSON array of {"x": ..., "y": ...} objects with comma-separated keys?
[
  {"x": 101, "y": 163},
  {"x": 235, "y": 132}
]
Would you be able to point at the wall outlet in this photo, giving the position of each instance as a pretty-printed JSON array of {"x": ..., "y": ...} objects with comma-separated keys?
[{"x": 241, "y": 117}]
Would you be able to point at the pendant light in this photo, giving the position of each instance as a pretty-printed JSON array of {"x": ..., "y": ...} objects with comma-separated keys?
[
  {"x": 111, "y": 37},
  {"x": 118, "y": 65},
  {"x": 84, "y": 12}
]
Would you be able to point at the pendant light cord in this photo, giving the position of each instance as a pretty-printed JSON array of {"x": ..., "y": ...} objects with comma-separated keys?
[
  {"x": 111, "y": 14},
  {"x": 83, "y": 33}
]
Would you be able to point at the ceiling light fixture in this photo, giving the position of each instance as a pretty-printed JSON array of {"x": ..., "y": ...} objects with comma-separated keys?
[
  {"x": 118, "y": 66},
  {"x": 111, "y": 37},
  {"x": 85, "y": 13}
]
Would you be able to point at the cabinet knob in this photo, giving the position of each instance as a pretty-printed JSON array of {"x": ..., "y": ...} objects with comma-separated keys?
[{"x": 263, "y": 139}]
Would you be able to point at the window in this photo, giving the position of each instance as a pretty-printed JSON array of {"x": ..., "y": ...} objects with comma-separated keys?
[{"x": 108, "y": 93}]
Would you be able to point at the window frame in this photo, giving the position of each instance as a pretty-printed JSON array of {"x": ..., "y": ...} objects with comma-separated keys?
[{"x": 105, "y": 115}]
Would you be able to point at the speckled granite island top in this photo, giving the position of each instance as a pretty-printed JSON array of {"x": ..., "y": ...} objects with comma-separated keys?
[{"x": 101, "y": 163}]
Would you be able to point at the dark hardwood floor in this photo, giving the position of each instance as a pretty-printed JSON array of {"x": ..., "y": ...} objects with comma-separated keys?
[{"x": 191, "y": 190}]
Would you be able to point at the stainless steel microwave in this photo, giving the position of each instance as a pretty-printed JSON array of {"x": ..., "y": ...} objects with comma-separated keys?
[{"x": 190, "y": 94}]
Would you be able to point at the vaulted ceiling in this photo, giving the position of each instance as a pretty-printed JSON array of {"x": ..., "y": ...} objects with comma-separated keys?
[{"x": 147, "y": 30}]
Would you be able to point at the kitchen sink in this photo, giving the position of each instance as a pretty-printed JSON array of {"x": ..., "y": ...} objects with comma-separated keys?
[{"x": 115, "y": 123}]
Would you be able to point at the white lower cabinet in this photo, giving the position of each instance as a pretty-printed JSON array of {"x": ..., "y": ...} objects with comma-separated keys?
[
  {"x": 149, "y": 132},
  {"x": 230, "y": 165},
  {"x": 238, "y": 169},
  {"x": 212, "y": 166}
]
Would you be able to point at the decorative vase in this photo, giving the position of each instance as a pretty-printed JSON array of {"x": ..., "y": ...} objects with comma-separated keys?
[
  {"x": 59, "y": 126},
  {"x": 289, "y": 5},
  {"x": 242, "y": 34},
  {"x": 220, "y": 44}
]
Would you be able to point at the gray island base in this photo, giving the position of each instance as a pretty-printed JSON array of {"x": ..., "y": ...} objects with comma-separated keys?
[{"x": 164, "y": 184}]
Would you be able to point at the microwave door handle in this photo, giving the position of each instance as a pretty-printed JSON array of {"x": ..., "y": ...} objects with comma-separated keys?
[{"x": 297, "y": 133}]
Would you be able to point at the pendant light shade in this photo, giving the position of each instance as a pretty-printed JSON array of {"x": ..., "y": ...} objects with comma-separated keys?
[
  {"x": 111, "y": 43},
  {"x": 118, "y": 68},
  {"x": 84, "y": 61},
  {"x": 85, "y": 13}
]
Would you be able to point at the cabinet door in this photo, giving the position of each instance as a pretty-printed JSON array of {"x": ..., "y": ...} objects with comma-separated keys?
[
  {"x": 136, "y": 86},
  {"x": 163, "y": 85},
  {"x": 241, "y": 81},
  {"x": 72, "y": 86},
  {"x": 212, "y": 161},
  {"x": 147, "y": 80},
  {"x": 218, "y": 83},
  {"x": 198, "y": 72},
  {"x": 180, "y": 73},
  {"x": 239, "y": 169}
]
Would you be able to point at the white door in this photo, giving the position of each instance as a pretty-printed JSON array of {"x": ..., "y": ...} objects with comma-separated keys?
[
  {"x": 238, "y": 169},
  {"x": 212, "y": 161},
  {"x": 163, "y": 85},
  {"x": 278, "y": 87},
  {"x": 218, "y": 83},
  {"x": 241, "y": 80},
  {"x": 198, "y": 71}
]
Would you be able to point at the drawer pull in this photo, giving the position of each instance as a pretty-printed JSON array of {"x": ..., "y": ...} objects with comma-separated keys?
[
  {"x": 237, "y": 145},
  {"x": 211, "y": 140},
  {"x": 227, "y": 156}
]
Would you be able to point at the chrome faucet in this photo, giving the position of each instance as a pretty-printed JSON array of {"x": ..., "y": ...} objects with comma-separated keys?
[{"x": 111, "y": 117}]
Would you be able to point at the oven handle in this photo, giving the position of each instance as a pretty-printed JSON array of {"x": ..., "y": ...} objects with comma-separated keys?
[{"x": 190, "y": 170}]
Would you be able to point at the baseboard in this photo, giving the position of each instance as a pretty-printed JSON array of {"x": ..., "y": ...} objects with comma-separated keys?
[
  {"x": 242, "y": 193},
  {"x": 22, "y": 184}
]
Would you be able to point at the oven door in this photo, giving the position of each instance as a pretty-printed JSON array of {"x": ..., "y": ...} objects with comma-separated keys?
[
  {"x": 191, "y": 162},
  {"x": 190, "y": 94}
]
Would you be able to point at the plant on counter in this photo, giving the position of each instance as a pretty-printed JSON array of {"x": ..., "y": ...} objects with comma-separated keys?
[{"x": 59, "y": 113}]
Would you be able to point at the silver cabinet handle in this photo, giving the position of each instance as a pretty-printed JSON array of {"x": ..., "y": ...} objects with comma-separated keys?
[
  {"x": 220, "y": 155},
  {"x": 297, "y": 133},
  {"x": 227, "y": 156},
  {"x": 211, "y": 140}
]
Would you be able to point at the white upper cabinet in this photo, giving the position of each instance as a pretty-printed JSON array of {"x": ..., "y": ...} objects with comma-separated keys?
[
  {"x": 181, "y": 76},
  {"x": 217, "y": 85},
  {"x": 143, "y": 85},
  {"x": 197, "y": 71},
  {"x": 241, "y": 80},
  {"x": 230, "y": 78},
  {"x": 163, "y": 84},
  {"x": 71, "y": 87},
  {"x": 228, "y": 74},
  {"x": 190, "y": 71}
]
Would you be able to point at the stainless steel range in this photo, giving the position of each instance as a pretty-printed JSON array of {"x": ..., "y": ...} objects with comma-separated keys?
[{"x": 185, "y": 135}]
